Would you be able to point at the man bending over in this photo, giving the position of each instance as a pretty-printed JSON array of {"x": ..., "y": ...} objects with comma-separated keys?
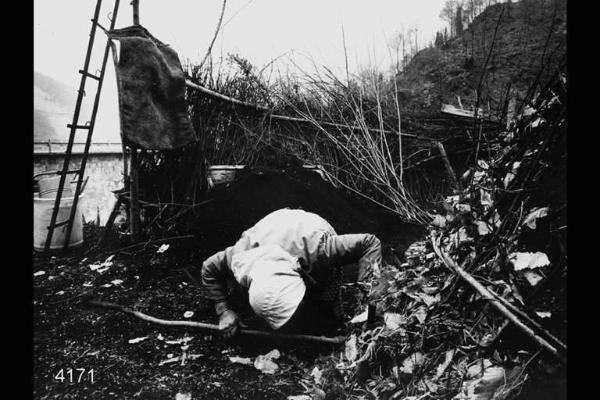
[{"x": 290, "y": 265}]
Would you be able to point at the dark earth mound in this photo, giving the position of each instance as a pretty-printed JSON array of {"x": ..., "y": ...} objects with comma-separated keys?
[{"x": 236, "y": 206}]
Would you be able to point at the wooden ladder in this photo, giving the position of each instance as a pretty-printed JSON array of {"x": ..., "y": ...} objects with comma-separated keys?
[{"x": 75, "y": 126}]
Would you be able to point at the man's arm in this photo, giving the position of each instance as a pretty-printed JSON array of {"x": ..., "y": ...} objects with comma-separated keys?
[
  {"x": 214, "y": 278},
  {"x": 362, "y": 248},
  {"x": 215, "y": 271}
]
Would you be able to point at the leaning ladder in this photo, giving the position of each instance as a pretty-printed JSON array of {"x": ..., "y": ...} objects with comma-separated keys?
[{"x": 75, "y": 126}]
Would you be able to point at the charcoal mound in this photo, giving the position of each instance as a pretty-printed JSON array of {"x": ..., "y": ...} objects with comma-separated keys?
[{"x": 236, "y": 206}]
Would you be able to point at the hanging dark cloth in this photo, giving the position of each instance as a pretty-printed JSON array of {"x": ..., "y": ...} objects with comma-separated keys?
[{"x": 151, "y": 86}]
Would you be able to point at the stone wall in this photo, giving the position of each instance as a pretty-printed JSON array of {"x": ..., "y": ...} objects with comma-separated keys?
[{"x": 105, "y": 172}]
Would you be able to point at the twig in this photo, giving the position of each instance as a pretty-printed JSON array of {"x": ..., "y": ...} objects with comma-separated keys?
[
  {"x": 494, "y": 302},
  {"x": 213, "y": 327},
  {"x": 149, "y": 242},
  {"x": 448, "y": 166},
  {"x": 208, "y": 51}
]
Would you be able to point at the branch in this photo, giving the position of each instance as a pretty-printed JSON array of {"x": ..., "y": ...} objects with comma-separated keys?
[
  {"x": 213, "y": 327},
  {"x": 494, "y": 302},
  {"x": 215, "y": 35}
]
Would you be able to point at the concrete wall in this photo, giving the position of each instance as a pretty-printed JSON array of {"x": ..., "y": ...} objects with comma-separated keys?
[{"x": 105, "y": 174}]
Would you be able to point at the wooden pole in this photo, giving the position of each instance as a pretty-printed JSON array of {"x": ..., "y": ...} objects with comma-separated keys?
[
  {"x": 136, "y": 11},
  {"x": 213, "y": 327},
  {"x": 448, "y": 166},
  {"x": 134, "y": 213},
  {"x": 134, "y": 207}
]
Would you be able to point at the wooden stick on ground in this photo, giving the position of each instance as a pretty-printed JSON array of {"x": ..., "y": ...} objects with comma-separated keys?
[
  {"x": 148, "y": 242},
  {"x": 213, "y": 327},
  {"x": 527, "y": 318},
  {"x": 448, "y": 166},
  {"x": 494, "y": 302}
]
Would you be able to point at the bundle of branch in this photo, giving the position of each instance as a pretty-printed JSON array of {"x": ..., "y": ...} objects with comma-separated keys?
[
  {"x": 481, "y": 307},
  {"x": 365, "y": 160}
]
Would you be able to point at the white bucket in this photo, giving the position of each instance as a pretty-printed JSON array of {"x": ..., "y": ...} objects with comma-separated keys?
[
  {"x": 218, "y": 174},
  {"x": 42, "y": 213},
  {"x": 49, "y": 187}
]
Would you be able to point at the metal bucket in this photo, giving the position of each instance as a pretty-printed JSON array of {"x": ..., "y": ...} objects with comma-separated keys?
[{"x": 43, "y": 204}]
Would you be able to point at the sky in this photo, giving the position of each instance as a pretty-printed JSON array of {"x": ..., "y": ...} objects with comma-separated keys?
[{"x": 301, "y": 32}]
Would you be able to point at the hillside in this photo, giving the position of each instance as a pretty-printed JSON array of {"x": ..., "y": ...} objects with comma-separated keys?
[
  {"x": 53, "y": 105},
  {"x": 530, "y": 39}
]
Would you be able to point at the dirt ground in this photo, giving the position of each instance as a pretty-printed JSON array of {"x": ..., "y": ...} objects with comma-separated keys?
[{"x": 68, "y": 335}]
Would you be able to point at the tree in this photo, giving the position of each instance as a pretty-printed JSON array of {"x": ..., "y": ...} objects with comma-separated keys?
[
  {"x": 448, "y": 13},
  {"x": 439, "y": 39},
  {"x": 459, "y": 21}
]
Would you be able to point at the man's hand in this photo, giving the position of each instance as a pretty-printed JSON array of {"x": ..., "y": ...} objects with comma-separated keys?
[{"x": 228, "y": 323}]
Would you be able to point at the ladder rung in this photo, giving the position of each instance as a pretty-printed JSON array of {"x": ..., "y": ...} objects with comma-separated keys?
[
  {"x": 98, "y": 24},
  {"x": 59, "y": 224},
  {"x": 79, "y": 126},
  {"x": 82, "y": 72},
  {"x": 72, "y": 171}
]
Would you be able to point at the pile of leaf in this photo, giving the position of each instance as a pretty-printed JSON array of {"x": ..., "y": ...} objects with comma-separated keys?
[{"x": 438, "y": 335}]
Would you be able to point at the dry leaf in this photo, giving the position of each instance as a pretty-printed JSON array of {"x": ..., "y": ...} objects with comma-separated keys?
[
  {"x": 116, "y": 282},
  {"x": 420, "y": 313},
  {"x": 533, "y": 277},
  {"x": 539, "y": 121},
  {"x": 362, "y": 317},
  {"x": 412, "y": 362},
  {"x": 528, "y": 260},
  {"x": 495, "y": 220},
  {"x": 482, "y": 164},
  {"x": 485, "y": 198},
  {"x": 39, "y": 273},
  {"x": 429, "y": 300},
  {"x": 442, "y": 367},
  {"x": 463, "y": 236},
  {"x": 463, "y": 208},
  {"x": 483, "y": 228},
  {"x": 317, "y": 375},
  {"x": 350, "y": 351},
  {"x": 511, "y": 174},
  {"x": 163, "y": 248},
  {"x": 536, "y": 213},
  {"x": 439, "y": 221},
  {"x": 483, "y": 387},
  {"x": 478, "y": 176},
  {"x": 544, "y": 314},
  {"x": 265, "y": 364},
  {"x": 137, "y": 340},
  {"x": 508, "y": 179},
  {"x": 241, "y": 360},
  {"x": 393, "y": 320}
]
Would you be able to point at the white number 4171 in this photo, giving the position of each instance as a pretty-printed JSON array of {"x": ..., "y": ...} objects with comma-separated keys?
[{"x": 80, "y": 375}]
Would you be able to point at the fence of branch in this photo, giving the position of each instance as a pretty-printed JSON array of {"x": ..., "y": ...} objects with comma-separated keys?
[{"x": 356, "y": 134}]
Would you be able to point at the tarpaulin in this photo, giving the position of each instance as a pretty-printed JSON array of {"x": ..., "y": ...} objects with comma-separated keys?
[{"x": 151, "y": 86}]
